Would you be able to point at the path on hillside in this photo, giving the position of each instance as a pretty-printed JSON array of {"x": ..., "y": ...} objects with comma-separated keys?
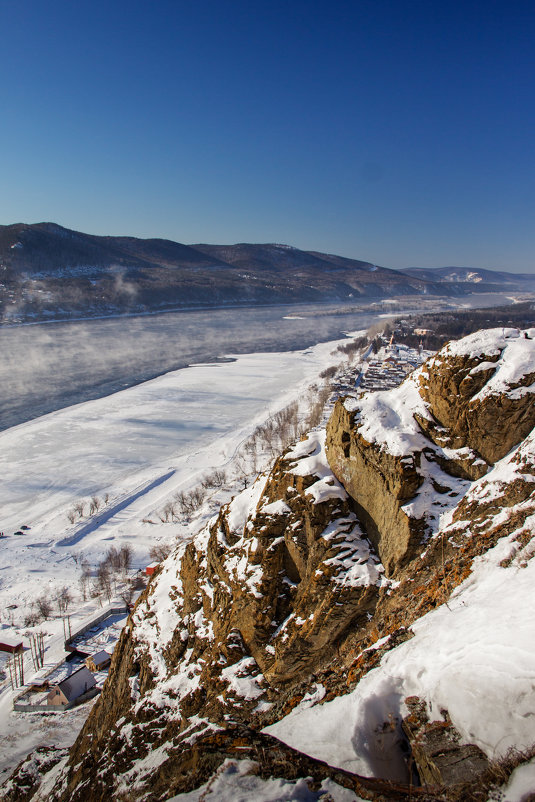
[{"x": 120, "y": 504}]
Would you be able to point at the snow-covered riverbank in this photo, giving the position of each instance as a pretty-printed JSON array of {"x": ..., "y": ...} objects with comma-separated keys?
[{"x": 138, "y": 446}]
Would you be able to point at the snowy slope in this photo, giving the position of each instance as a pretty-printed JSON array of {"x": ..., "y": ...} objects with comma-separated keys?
[{"x": 475, "y": 655}]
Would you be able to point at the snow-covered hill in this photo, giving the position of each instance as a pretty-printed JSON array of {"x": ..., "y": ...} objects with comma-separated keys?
[{"x": 367, "y": 602}]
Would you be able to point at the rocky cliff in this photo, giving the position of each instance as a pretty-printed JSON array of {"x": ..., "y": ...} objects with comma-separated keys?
[
  {"x": 405, "y": 456},
  {"x": 308, "y": 582}
]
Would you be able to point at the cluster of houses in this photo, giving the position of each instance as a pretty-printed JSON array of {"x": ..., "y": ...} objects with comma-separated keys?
[
  {"x": 85, "y": 654},
  {"x": 77, "y": 687},
  {"x": 381, "y": 371},
  {"x": 389, "y": 368},
  {"x": 57, "y": 691}
]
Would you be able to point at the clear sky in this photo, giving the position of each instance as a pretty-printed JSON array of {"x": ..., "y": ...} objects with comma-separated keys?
[{"x": 396, "y": 131}]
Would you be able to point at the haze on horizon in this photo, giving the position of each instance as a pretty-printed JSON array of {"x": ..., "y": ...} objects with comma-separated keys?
[{"x": 398, "y": 133}]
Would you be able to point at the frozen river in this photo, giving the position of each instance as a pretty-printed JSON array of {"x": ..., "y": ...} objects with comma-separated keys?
[{"x": 45, "y": 367}]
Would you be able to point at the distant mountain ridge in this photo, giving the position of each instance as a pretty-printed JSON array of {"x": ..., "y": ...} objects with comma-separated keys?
[
  {"x": 47, "y": 271},
  {"x": 468, "y": 274}
]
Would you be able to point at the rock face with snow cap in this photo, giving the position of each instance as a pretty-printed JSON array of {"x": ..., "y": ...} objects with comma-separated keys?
[
  {"x": 231, "y": 623},
  {"x": 380, "y": 483},
  {"x": 404, "y": 455},
  {"x": 480, "y": 389}
]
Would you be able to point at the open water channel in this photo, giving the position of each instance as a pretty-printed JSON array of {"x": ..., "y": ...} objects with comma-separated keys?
[{"x": 48, "y": 366}]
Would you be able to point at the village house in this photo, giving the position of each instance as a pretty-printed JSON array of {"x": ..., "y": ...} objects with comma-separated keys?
[
  {"x": 71, "y": 688},
  {"x": 98, "y": 661}
]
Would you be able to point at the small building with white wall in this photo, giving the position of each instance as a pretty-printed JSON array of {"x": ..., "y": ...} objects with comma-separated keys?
[
  {"x": 98, "y": 661},
  {"x": 71, "y": 688}
]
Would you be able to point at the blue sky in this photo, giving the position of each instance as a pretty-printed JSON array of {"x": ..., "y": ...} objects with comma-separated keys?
[{"x": 396, "y": 132}]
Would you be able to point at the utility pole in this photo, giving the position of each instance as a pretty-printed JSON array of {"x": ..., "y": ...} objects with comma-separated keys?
[
  {"x": 20, "y": 662},
  {"x": 16, "y": 670},
  {"x": 34, "y": 652},
  {"x": 41, "y": 640},
  {"x": 38, "y": 651}
]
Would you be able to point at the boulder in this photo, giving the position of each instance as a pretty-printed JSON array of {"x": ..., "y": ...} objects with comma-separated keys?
[{"x": 441, "y": 759}]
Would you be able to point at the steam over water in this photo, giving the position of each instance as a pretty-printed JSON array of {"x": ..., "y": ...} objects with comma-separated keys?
[{"x": 45, "y": 367}]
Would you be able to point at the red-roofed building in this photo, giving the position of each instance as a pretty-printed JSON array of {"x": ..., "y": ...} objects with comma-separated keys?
[{"x": 10, "y": 645}]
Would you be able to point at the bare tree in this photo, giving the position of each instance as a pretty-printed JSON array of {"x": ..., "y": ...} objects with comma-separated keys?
[
  {"x": 189, "y": 503},
  {"x": 183, "y": 503},
  {"x": 126, "y": 558},
  {"x": 63, "y": 599},
  {"x": 32, "y": 618},
  {"x": 103, "y": 583},
  {"x": 278, "y": 431},
  {"x": 113, "y": 559},
  {"x": 269, "y": 436},
  {"x": 329, "y": 372},
  {"x": 84, "y": 578},
  {"x": 318, "y": 398},
  {"x": 197, "y": 497},
  {"x": 71, "y": 515},
  {"x": 168, "y": 512},
  {"x": 79, "y": 508},
  {"x": 250, "y": 448},
  {"x": 44, "y": 607},
  {"x": 159, "y": 552},
  {"x": 215, "y": 479},
  {"x": 94, "y": 505}
]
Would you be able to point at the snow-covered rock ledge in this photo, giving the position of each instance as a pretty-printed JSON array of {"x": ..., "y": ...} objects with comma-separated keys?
[{"x": 407, "y": 456}]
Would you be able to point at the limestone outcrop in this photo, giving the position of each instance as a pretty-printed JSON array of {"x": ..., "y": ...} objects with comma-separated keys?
[
  {"x": 405, "y": 456},
  {"x": 480, "y": 389},
  {"x": 379, "y": 483}
]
